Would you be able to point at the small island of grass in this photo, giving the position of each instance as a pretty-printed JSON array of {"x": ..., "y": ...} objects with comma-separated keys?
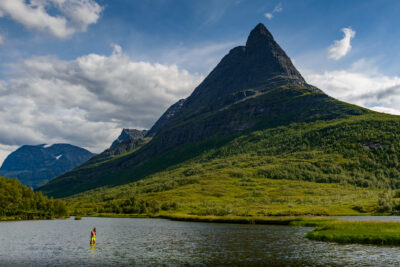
[{"x": 360, "y": 232}]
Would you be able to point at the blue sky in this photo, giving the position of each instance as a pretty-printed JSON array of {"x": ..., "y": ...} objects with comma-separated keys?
[
  {"x": 147, "y": 30},
  {"x": 98, "y": 65}
]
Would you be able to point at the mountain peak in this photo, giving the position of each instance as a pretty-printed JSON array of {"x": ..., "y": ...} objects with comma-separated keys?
[
  {"x": 259, "y": 36},
  {"x": 258, "y": 66},
  {"x": 129, "y": 134},
  {"x": 243, "y": 72}
]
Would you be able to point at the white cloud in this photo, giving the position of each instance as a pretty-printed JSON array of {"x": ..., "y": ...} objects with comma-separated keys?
[
  {"x": 81, "y": 13},
  {"x": 269, "y": 16},
  {"x": 366, "y": 88},
  {"x": 88, "y": 100},
  {"x": 386, "y": 110},
  {"x": 278, "y": 8},
  {"x": 340, "y": 48},
  {"x": 73, "y": 15},
  {"x": 1, "y": 39}
]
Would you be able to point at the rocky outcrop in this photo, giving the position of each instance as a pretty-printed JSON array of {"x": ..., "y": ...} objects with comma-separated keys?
[
  {"x": 129, "y": 134},
  {"x": 128, "y": 140}
]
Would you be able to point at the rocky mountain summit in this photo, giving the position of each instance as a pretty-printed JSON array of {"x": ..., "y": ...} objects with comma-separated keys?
[
  {"x": 129, "y": 135},
  {"x": 35, "y": 165},
  {"x": 245, "y": 72},
  {"x": 128, "y": 140}
]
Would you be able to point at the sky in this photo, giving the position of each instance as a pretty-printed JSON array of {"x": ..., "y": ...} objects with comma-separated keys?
[{"x": 78, "y": 71}]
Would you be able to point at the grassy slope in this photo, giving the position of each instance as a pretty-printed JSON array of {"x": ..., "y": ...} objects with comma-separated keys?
[
  {"x": 323, "y": 167},
  {"x": 275, "y": 107}
]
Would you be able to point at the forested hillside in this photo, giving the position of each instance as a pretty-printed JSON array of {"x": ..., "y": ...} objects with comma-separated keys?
[{"x": 19, "y": 202}]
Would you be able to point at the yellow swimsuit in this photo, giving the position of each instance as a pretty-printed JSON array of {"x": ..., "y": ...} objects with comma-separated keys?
[{"x": 93, "y": 238}]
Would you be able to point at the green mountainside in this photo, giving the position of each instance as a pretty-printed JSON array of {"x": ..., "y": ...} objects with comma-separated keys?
[
  {"x": 253, "y": 138},
  {"x": 325, "y": 167}
]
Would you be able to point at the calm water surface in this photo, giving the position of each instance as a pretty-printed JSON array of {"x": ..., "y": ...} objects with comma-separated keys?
[{"x": 156, "y": 241}]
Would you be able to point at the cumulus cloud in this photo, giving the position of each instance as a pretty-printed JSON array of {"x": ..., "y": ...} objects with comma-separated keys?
[
  {"x": 270, "y": 15},
  {"x": 71, "y": 15},
  {"x": 340, "y": 48},
  {"x": 88, "y": 100},
  {"x": 369, "y": 89},
  {"x": 1, "y": 39}
]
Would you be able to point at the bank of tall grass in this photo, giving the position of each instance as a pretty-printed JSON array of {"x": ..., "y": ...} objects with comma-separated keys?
[{"x": 363, "y": 232}]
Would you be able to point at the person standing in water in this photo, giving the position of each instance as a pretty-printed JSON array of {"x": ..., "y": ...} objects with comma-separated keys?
[{"x": 93, "y": 236}]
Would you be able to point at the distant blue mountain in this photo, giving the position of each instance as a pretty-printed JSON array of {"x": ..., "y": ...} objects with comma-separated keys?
[{"x": 36, "y": 165}]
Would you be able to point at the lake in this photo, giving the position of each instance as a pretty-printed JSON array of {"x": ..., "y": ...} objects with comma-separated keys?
[{"x": 125, "y": 241}]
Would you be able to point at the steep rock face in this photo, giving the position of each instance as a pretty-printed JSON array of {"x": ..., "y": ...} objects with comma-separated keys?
[
  {"x": 35, "y": 165},
  {"x": 255, "y": 66},
  {"x": 253, "y": 87},
  {"x": 129, "y": 134},
  {"x": 168, "y": 115}
]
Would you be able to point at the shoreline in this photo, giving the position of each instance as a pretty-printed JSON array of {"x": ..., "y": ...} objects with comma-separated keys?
[{"x": 16, "y": 219}]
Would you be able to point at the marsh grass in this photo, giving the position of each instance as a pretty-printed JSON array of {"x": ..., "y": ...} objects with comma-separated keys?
[{"x": 365, "y": 232}]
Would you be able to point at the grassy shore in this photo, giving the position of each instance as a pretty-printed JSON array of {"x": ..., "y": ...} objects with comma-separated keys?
[{"x": 365, "y": 232}]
